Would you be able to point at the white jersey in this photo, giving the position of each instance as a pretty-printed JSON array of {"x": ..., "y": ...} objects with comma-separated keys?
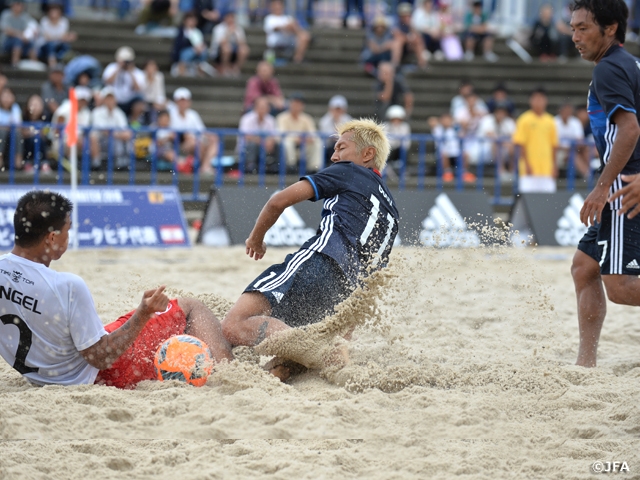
[{"x": 48, "y": 317}]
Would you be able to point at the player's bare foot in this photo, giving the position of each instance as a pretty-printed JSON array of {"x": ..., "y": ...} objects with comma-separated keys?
[{"x": 283, "y": 369}]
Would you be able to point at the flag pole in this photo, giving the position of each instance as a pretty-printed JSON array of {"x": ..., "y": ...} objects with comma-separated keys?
[{"x": 71, "y": 131}]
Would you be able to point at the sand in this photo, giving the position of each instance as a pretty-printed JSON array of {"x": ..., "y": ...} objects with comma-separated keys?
[{"x": 465, "y": 367}]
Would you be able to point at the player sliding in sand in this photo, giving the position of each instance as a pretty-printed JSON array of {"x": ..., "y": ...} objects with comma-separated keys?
[
  {"x": 356, "y": 233},
  {"x": 609, "y": 252},
  {"x": 50, "y": 330}
]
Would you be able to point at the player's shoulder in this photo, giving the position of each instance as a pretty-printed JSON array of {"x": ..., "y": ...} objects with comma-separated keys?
[
  {"x": 617, "y": 61},
  {"x": 67, "y": 279}
]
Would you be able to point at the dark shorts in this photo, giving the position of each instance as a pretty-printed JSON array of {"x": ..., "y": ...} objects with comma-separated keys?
[
  {"x": 589, "y": 244},
  {"x": 619, "y": 238},
  {"x": 304, "y": 289}
]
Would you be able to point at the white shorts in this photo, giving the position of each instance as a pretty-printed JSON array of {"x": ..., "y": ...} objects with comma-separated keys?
[{"x": 536, "y": 184}]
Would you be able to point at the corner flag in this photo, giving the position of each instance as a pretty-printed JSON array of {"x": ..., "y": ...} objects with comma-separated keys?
[{"x": 72, "y": 122}]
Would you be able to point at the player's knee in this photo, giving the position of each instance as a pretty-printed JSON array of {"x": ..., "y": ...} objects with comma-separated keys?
[{"x": 584, "y": 268}]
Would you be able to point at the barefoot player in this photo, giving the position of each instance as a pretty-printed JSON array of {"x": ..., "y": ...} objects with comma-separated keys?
[
  {"x": 609, "y": 252},
  {"x": 50, "y": 329},
  {"x": 358, "y": 226}
]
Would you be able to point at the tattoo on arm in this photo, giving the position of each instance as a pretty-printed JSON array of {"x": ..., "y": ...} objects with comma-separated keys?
[{"x": 262, "y": 332}]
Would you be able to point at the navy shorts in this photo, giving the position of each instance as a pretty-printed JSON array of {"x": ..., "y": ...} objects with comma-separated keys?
[
  {"x": 589, "y": 244},
  {"x": 619, "y": 239},
  {"x": 304, "y": 289}
]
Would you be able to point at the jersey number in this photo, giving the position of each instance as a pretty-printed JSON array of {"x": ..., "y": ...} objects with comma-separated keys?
[
  {"x": 371, "y": 223},
  {"x": 24, "y": 344}
]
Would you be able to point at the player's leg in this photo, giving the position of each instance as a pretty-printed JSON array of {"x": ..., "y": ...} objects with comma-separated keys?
[
  {"x": 203, "y": 324},
  {"x": 623, "y": 289}
]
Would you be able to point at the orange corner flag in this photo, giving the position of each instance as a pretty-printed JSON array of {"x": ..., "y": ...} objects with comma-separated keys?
[{"x": 72, "y": 122}]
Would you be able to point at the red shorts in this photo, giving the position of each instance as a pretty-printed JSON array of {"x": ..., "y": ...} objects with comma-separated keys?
[{"x": 136, "y": 364}]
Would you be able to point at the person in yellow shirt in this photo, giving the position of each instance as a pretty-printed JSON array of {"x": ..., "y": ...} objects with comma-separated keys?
[{"x": 537, "y": 137}]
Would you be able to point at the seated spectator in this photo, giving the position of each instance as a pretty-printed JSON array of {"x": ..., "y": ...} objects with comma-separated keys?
[
  {"x": 391, "y": 89},
  {"x": 18, "y": 33},
  {"x": 544, "y": 35},
  {"x": 264, "y": 84},
  {"x": 127, "y": 81},
  {"x": 34, "y": 138},
  {"x": 83, "y": 65},
  {"x": 468, "y": 120},
  {"x": 450, "y": 30},
  {"x": 426, "y": 21},
  {"x": 10, "y": 115},
  {"x": 61, "y": 116},
  {"x": 208, "y": 14},
  {"x": 448, "y": 147},
  {"x": 380, "y": 46},
  {"x": 296, "y": 121},
  {"x": 477, "y": 31},
  {"x": 459, "y": 101},
  {"x": 498, "y": 128},
  {"x": 155, "y": 13},
  {"x": 336, "y": 115},
  {"x": 54, "y": 91},
  {"x": 229, "y": 45},
  {"x": 154, "y": 92},
  {"x": 397, "y": 128},
  {"x": 349, "y": 7},
  {"x": 165, "y": 142},
  {"x": 571, "y": 137},
  {"x": 284, "y": 33},
  {"x": 110, "y": 133},
  {"x": 500, "y": 96},
  {"x": 408, "y": 38},
  {"x": 142, "y": 139},
  {"x": 189, "y": 54},
  {"x": 54, "y": 31},
  {"x": 251, "y": 143},
  {"x": 193, "y": 136}
]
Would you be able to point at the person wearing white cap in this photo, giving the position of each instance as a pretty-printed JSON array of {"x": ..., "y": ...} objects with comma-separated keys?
[
  {"x": 127, "y": 80},
  {"x": 398, "y": 130},
  {"x": 188, "y": 123},
  {"x": 105, "y": 118},
  {"x": 336, "y": 115}
]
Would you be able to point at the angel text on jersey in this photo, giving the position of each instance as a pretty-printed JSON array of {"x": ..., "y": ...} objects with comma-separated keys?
[
  {"x": 19, "y": 298},
  {"x": 385, "y": 195}
]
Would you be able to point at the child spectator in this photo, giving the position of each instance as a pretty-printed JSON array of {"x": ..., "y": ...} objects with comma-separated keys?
[
  {"x": 408, "y": 39},
  {"x": 18, "y": 32},
  {"x": 336, "y": 115},
  {"x": 477, "y": 32},
  {"x": 426, "y": 21},
  {"x": 284, "y": 32},
  {"x": 165, "y": 146},
  {"x": 447, "y": 145},
  {"x": 54, "y": 31},
  {"x": 380, "y": 46},
  {"x": 189, "y": 53},
  {"x": 397, "y": 129},
  {"x": 229, "y": 45},
  {"x": 10, "y": 115}
]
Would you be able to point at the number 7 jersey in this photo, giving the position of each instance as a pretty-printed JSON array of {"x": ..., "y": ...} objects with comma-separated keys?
[{"x": 359, "y": 218}]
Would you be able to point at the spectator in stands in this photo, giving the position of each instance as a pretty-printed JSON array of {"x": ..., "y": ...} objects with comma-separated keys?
[
  {"x": 110, "y": 132},
  {"x": 84, "y": 95},
  {"x": 10, "y": 115},
  {"x": 154, "y": 92},
  {"x": 545, "y": 37},
  {"x": 189, "y": 54},
  {"x": 391, "y": 89},
  {"x": 399, "y": 132},
  {"x": 83, "y": 65},
  {"x": 407, "y": 37},
  {"x": 380, "y": 46},
  {"x": 264, "y": 84},
  {"x": 468, "y": 119},
  {"x": 127, "y": 81},
  {"x": 165, "y": 146},
  {"x": 449, "y": 28},
  {"x": 336, "y": 115},
  {"x": 477, "y": 31},
  {"x": 18, "y": 32},
  {"x": 284, "y": 33},
  {"x": 54, "y": 91},
  {"x": 252, "y": 124},
  {"x": 571, "y": 137},
  {"x": 296, "y": 121},
  {"x": 459, "y": 101},
  {"x": 35, "y": 142},
  {"x": 229, "y": 45},
  {"x": 426, "y": 21},
  {"x": 495, "y": 131},
  {"x": 349, "y": 7},
  {"x": 155, "y": 13},
  {"x": 448, "y": 147},
  {"x": 500, "y": 96},
  {"x": 194, "y": 137},
  {"x": 583, "y": 115},
  {"x": 208, "y": 14},
  {"x": 537, "y": 137},
  {"x": 54, "y": 30}
]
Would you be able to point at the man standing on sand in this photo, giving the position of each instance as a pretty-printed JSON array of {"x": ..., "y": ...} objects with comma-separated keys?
[
  {"x": 50, "y": 330},
  {"x": 609, "y": 253},
  {"x": 359, "y": 224}
]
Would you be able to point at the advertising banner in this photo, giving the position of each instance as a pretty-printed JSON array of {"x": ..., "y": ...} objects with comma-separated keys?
[{"x": 112, "y": 216}]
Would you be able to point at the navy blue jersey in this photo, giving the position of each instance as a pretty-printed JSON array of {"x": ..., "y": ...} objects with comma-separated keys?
[
  {"x": 359, "y": 218},
  {"x": 615, "y": 85}
]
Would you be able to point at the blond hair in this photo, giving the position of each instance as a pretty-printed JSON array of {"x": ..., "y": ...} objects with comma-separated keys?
[{"x": 368, "y": 133}]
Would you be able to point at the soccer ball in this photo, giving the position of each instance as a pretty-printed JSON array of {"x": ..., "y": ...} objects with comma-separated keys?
[{"x": 184, "y": 358}]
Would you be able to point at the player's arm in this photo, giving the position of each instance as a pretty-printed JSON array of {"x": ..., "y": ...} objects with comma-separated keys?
[
  {"x": 109, "y": 348},
  {"x": 622, "y": 149},
  {"x": 296, "y": 193}
]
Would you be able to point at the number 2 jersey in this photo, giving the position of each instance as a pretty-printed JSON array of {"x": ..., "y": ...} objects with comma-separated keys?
[
  {"x": 48, "y": 317},
  {"x": 615, "y": 85},
  {"x": 359, "y": 218}
]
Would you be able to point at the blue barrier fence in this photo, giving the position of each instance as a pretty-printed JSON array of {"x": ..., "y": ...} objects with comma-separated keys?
[{"x": 417, "y": 157}]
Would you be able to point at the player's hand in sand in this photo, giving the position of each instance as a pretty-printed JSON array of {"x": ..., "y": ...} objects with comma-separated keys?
[
  {"x": 591, "y": 212},
  {"x": 630, "y": 194},
  {"x": 152, "y": 301},
  {"x": 255, "y": 248}
]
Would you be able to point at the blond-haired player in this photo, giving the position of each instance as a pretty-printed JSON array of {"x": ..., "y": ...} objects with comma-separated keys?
[{"x": 358, "y": 226}]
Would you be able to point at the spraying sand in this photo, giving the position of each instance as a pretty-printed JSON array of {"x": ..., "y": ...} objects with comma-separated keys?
[{"x": 464, "y": 366}]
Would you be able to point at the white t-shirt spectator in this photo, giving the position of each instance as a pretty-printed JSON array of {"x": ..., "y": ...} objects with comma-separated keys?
[
  {"x": 221, "y": 32},
  {"x": 328, "y": 125},
  {"x": 101, "y": 117},
  {"x": 11, "y": 117},
  {"x": 277, "y": 38},
  {"x": 189, "y": 121},
  {"x": 448, "y": 141},
  {"x": 123, "y": 83},
  {"x": 425, "y": 22},
  {"x": 154, "y": 90},
  {"x": 250, "y": 123},
  {"x": 195, "y": 36},
  {"x": 490, "y": 127},
  {"x": 398, "y": 130},
  {"x": 51, "y": 32},
  {"x": 64, "y": 111},
  {"x": 572, "y": 130}
]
